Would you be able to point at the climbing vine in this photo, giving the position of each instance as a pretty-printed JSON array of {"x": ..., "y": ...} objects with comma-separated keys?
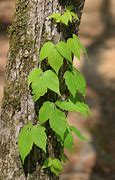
[{"x": 53, "y": 113}]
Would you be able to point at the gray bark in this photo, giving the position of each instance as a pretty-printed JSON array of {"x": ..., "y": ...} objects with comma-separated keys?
[{"x": 30, "y": 29}]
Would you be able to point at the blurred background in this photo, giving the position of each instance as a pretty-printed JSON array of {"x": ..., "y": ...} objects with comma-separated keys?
[{"x": 94, "y": 160}]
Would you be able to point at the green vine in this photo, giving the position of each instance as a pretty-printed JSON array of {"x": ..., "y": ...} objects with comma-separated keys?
[{"x": 55, "y": 113}]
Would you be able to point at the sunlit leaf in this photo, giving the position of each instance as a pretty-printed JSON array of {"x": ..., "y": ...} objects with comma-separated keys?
[
  {"x": 39, "y": 88},
  {"x": 74, "y": 106},
  {"x": 58, "y": 123},
  {"x": 54, "y": 171},
  {"x": 51, "y": 81},
  {"x": 46, "y": 50},
  {"x": 25, "y": 141},
  {"x": 46, "y": 111},
  {"x": 55, "y": 59},
  {"x": 74, "y": 15},
  {"x": 68, "y": 15},
  {"x": 64, "y": 50},
  {"x": 55, "y": 15},
  {"x": 74, "y": 47},
  {"x": 57, "y": 164},
  {"x": 64, "y": 19},
  {"x": 48, "y": 162},
  {"x": 80, "y": 82},
  {"x": 39, "y": 136},
  {"x": 69, "y": 80},
  {"x": 68, "y": 143},
  {"x": 78, "y": 133},
  {"x": 34, "y": 74}
]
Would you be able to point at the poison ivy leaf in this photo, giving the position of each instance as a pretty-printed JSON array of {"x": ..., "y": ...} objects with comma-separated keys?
[
  {"x": 64, "y": 50},
  {"x": 55, "y": 60},
  {"x": 74, "y": 15},
  {"x": 64, "y": 19},
  {"x": 69, "y": 8},
  {"x": 81, "y": 105},
  {"x": 45, "y": 80},
  {"x": 64, "y": 158},
  {"x": 74, "y": 47},
  {"x": 58, "y": 123},
  {"x": 79, "y": 43},
  {"x": 51, "y": 81},
  {"x": 48, "y": 162},
  {"x": 39, "y": 88},
  {"x": 46, "y": 50},
  {"x": 78, "y": 106},
  {"x": 68, "y": 142},
  {"x": 55, "y": 16},
  {"x": 82, "y": 47},
  {"x": 55, "y": 171},
  {"x": 80, "y": 82},
  {"x": 77, "y": 133},
  {"x": 68, "y": 15},
  {"x": 69, "y": 80},
  {"x": 34, "y": 74},
  {"x": 75, "y": 82},
  {"x": 57, "y": 164},
  {"x": 66, "y": 105},
  {"x": 25, "y": 141},
  {"x": 39, "y": 136},
  {"x": 46, "y": 111}
]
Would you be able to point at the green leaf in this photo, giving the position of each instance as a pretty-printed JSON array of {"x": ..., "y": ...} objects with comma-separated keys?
[
  {"x": 48, "y": 162},
  {"x": 74, "y": 15},
  {"x": 82, "y": 47},
  {"x": 45, "y": 80},
  {"x": 69, "y": 8},
  {"x": 75, "y": 82},
  {"x": 46, "y": 50},
  {"x": 55, "y": 59},
  {"x": 64, "y": 19},
  {"x": 78, "y": 106},
  {"x": 34, "y": 74},
  {"x": 51, "y": 81},
  {"x": 64, "y": 50},
  {"x": 55, "y": 15},
  {"x": 39, "y": 88},
  {"x": 68, "y": 143},
  {"x": 68, "y": 15},
  {"x": 25, "y": 141},
  {"x": 66, "y": 105},
  {"x": 39, "y": 136},
  {"x": 74, "y": 47},
  {"x": 58, "y": 123},
  {"x": 69, "y": 80},
  {"x": 57, "y": 164},
  {"x": 64, "y": 158},
  {"x": 54, "y": 171},
  {"x": 80, "y": 82},
  {"x": 81, "y": 105},
  {"x": 78, "y": 133},
  {"x": 46, "y": 111}
]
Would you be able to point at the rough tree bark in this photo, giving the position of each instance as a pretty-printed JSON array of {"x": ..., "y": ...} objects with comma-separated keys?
[{"x": 30, "y": 29}]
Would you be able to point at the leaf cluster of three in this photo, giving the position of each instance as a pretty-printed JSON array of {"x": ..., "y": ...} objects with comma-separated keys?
[{"x": 40, "y": 82}]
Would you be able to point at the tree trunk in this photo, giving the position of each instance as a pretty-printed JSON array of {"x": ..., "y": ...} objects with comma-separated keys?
[{"x": 30, "y": 29}]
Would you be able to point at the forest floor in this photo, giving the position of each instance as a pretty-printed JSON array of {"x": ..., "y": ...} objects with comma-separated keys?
[{"x": 94, "y": 160}]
